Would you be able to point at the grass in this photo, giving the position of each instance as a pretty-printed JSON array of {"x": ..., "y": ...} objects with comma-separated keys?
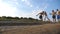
[{"x": 30, "y": 26}]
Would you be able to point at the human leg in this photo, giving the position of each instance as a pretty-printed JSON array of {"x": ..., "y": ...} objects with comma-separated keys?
[
  {"x": 44, "y": 18},
  {"x": 58, "y": 18},
  {"x": 47, "y": 18},
  {"x": 54, "y": 18}
]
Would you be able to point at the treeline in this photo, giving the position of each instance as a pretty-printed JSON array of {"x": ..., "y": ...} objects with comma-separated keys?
[
  {"x": 12, "y": 21},
  {"x": 15, "y": 18}
]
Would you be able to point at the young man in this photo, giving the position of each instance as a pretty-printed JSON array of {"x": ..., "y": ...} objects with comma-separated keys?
[
  {"x": 53, "y": 15},
  {"x": 58, "y": 15},
  {"x": 40, "y": 16},
  {"x": 46, "y": 16}
]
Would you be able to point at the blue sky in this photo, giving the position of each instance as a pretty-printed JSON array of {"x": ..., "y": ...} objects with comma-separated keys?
[{"x": 27, "y": 8}]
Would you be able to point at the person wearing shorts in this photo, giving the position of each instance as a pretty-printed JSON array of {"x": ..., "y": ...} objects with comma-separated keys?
[
  {"x": 58, "y": 15},
  {"x": 53, "y": 16}
]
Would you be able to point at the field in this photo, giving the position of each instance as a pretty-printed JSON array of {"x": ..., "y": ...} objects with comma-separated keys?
[
  {"x": 31, "y": 29},
  {"x": 10, "y": 25}
]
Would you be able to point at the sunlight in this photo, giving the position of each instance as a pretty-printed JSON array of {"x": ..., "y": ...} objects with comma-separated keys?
[{"x": 6, "y": 9}]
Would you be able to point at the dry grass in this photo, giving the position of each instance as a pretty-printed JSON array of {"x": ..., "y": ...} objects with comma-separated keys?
[{"x": 36, "y": 29}]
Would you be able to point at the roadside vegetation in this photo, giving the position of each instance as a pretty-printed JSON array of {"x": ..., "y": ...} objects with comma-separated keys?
[
  {"x": 21, "y": 21},
  {"x": 38, "y": 26}
]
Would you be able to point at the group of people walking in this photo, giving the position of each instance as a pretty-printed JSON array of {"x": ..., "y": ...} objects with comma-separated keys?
[{"x": 55, "y": 14}]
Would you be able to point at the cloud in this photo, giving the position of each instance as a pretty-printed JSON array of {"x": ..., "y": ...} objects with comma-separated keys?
[
  {"x": 15, "y": 1},
  {"x": 49, "y": 0},
  {"x": 23, "y": 0},
  {"x": 45, "y": 6},
  {"x": 12, "y": 2},
  {"x": 7, "y": 10},
  {"x": 27, "y": 2},
  {"x": 12, "y": 10},
  {"x": 39, "y": 9},
  {"x": 34, "y": 12}
]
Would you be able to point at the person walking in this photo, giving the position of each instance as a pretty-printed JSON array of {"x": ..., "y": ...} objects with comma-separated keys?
[{"x": 46, "y": 16}]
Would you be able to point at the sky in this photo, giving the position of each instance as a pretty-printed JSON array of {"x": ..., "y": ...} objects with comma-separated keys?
[{"x": 27, "y": 8}]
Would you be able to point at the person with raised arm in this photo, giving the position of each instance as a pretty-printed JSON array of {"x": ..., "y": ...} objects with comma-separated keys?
[{"x": 40, "y": 15}]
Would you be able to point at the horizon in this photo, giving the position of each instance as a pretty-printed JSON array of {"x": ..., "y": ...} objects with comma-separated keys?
[{"x": 27, "y": 8}]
